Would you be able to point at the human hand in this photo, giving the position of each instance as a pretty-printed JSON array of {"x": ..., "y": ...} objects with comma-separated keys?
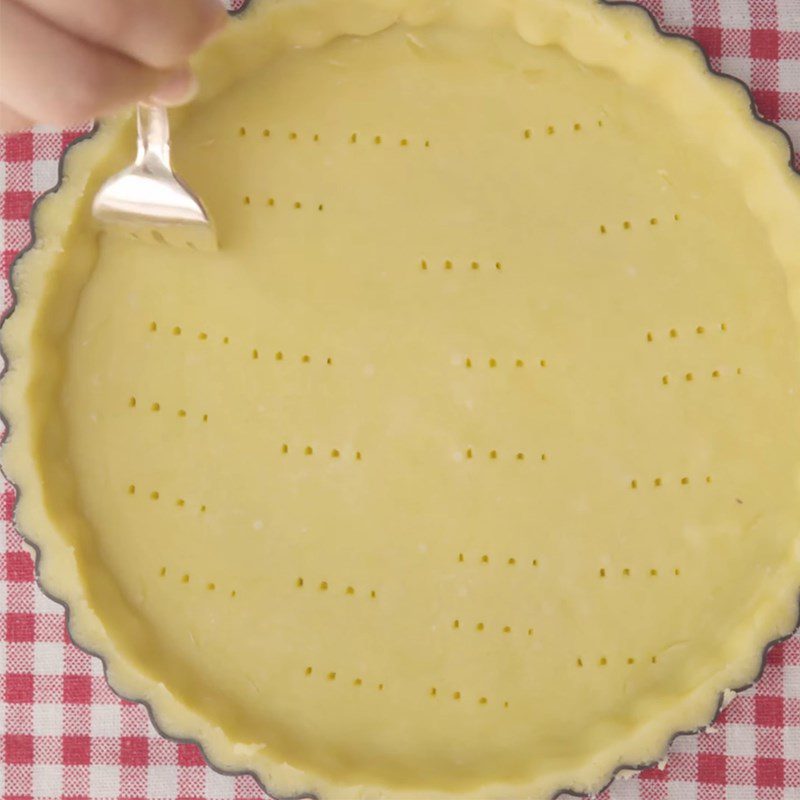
[{"x": 63, "y": 62}]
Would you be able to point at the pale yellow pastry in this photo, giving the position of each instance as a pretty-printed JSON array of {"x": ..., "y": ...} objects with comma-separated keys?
[{"x": 468, "y": 467}]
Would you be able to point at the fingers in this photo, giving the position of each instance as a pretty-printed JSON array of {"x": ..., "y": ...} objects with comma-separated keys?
[
  {"x": 48, "y": 75},
  {"x": 158, "y": 33},
  {"x": 11, "y": 121}
]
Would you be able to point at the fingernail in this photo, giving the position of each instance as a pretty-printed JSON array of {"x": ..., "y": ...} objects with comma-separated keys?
[{"x": 179, "y": 88}]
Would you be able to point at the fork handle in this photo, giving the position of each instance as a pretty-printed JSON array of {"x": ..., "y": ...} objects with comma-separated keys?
[{"x": 152, "y": 125}]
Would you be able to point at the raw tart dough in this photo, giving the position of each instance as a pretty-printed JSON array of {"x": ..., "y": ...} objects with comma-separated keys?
[{"x": 468, "y": 466}]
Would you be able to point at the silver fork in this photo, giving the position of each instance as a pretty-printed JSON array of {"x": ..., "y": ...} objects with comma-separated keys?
[{"x": 148, "y": 200}]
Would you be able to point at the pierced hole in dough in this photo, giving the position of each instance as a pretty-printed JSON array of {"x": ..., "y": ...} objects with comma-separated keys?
[
  {"x": 475, "y": 265},
  {"x": 331, "y": 676},
  {"x": 631, "y": 661},
  {"x": 634, "y": 484},
  {"x": 493, "y": 454},
  {"x": 153, "y": 327},
  {"x": 246, "y": 200},
  {"x": 155, "y": 407},
  {"x": 657, "y": 482},
  {"x": 530, "y": 631},
  {"x": 456, "y": 695},
  {"x": 298, "y": 204},
  {"x": 242, "y": 131},
  {"x": 708, "y": 479},
  {"x": 132, "y": 489},
  {"x": 404, "y": 143},
  {"x": 279, "y": 356},
  {"x": 211, "y": 587},
  {"x": 233, "y": 593},
  {"x": 433, "y": 691},
  {"x": 293, "y": 136},
  {"x": 684, "y": 481},
  {"x": 203, "y": 509},
  {"x": 576, "y": 127},
  {"x": 469, "y": 453},
  {"x": 480, "y": 626},
  {"x": 520, "y": 456},
  {"x": 665, "y": 379},
  {"x": 284, "y": 448},
  {"x": 483, "y": 701},
  {"x": 456, "y": 624},
  {"x": 335, "y": 453},
  {"x": 484, "y": 559},
  {"x": 448, "y": 264},
  {"x": 299, "y": 583},
  {"x": 226, "y": 340},
  {"x": 654, "y": 573},
  {"x": 461, "y": 557},
  {"x": 689, "y": 377},
  {"x": 353, "y": 138},
  {"x": 423, "y": 264},
  {"x": 202, "y": 336},
  {"x": 181, "y": 412},
  {"x": 653, "y": 659},
  {"x": 185, "y": 578},
  {"x": 306, "y": 359},
  {"x": 329, "y": 361},
  {"x": 603, "y": 661},
  {"x": 180, "y": 502},
  {"x": 673, "y": 334},
  {"x": 506, "y": 629},
  {"x": 358, "y": 455},
  {"x": 579, "y": 663},
  {"x": 377, "y": 140},
  {"x": 266, "y": 133},
  {"x": 320, "y": 207},
  {"x": 512, "y": 561},
  {"x": 357, "y": 682},
  {"x": 309, "y": 670},
  {"x": 255, "y": 355},
  {"x": 627, "y": 225},
  {"x": 527, "y": 133},
  {"x": 498, "y": 265},
  {"x": 654, "y": 220},
  {"x": 676, "y": 217},
  {"x": 602, "y": 573},
  {"x": 349, "y": 590},
  {"x": 373, "y": 594},
  {"x": 176, "y": 331},
  {"x": 550, "y": 130},
  {"x": 649, "y": 336},
  {"x": 270, "y": 201},
  {"x": 543, "y": 457},
  {"x": 715, "y": 373},
  {"x": 323, "y": 587},
  {"x": 205, "y": 417},
  {"x": 162, "y": 572},
  {"x": 154, "y": 495},
  {"x": 535, "y": 563},
  {"x": 626, "y": 572},
  {"x": 132, "y": 402},
  {"x": 676, "y": 571}
]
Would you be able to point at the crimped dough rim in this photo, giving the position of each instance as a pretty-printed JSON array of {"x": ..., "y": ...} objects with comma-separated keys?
[{"x": 774, "y": 196}]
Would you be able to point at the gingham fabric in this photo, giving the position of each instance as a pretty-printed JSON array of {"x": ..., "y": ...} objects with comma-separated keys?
[{"x": 65, "y": 735}]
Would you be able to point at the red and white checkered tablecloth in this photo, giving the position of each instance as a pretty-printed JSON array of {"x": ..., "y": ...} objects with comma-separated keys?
[{"x": 64, "y": 735}]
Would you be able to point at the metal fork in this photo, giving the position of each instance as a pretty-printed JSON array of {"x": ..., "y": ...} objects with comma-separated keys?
[{"x": 147, "y": 200}]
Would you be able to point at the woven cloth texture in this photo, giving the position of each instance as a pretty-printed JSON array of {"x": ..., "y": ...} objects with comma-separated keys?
[{"x": 64, "y": 734}]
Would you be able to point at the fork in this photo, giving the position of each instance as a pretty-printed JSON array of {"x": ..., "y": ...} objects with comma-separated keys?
[{"x": 148, "y": 200}]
